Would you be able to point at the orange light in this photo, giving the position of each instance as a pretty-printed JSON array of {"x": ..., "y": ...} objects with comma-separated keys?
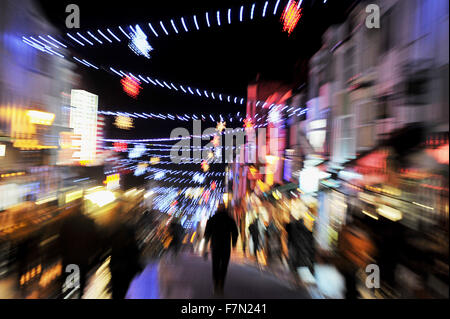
[{"x": 291, "y": 16}]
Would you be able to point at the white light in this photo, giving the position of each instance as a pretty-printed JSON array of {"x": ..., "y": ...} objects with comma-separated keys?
[
  {"x": 153, "y": 30},
  {"x": 57, "y": 42},
  {"x": 115, "y": 37},
  {"x": 265, "y": 8},
  {"x": 196, "y": 24},
  {"x": 45, "y": 40},
  {"x": 253, "y": 9},
  {"x": 174, "y": 27},
  {"x": 229, "y": 16},
  {"x": 124, "y": 33},
  {"x": 218, "y": 18},
  {"x": 103, "y": 35},
  {"x": 184, "y": 25},
  {"x": 139, "y": 43},
  {"x": 207, "y": 19},
  {"x": 94, "y": 37},
  {"x": 81, "y": 36},
  {"x": 276, "y": 7},
  {"x": 241, "y": 13},
  {"x": 82, "y": 44},
  {"x": 115, "y": 72},
  {"x": 162, "y": 26},
  {"x": 101, "y": 198}
]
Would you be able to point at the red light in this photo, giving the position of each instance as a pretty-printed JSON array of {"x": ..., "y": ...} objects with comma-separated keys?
[
  {"x": 213, "y": 185},
  {"x": 291, "y": 16},
  {"x": 131, "y": 86},
  {"x": 120, "y": 147}
]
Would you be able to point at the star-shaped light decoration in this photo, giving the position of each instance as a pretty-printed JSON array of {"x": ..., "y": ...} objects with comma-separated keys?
[
  {"x": 248, "y": 124},
  {"x": 205, "y": 166},
  {"x": 210, "y": 155},
  {"x": 291, "y": 16},
  {"x": 221, "y": 126}
]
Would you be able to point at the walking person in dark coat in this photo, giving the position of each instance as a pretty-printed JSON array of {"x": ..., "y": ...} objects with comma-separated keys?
[
  {"x": 300, "y": 242},
  {"x": 124, "y": 264},
  {"x": 222, "y": 231},
  {"x": 80, "y": 244},
  {"x": 176, "y": 231},
  {"x": 255, "y": 233}
]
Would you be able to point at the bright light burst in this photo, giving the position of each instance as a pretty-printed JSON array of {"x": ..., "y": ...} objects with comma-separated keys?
[
  {"x": 139, "y": 43},
  {"x": 131, "y": 86},
  {"x": 221, "y": 126},
  {"x": 291, "y": 16}
]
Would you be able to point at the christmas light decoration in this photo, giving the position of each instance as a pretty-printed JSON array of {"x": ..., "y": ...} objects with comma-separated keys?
[
  {"x": 120, "y": 147},
  {"x": 291, "y": 16},
  {"x": 131, "y": 86},
  {"x": 221, "y": 126},
  {"x": 139, "y": 43},
  {"x": 248, "y": 124},
  {"x": 205, "y": 166},
  {"x": 124, "y": 122}
]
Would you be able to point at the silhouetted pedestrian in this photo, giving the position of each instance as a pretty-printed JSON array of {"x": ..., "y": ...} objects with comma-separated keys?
[
  {"x": 221, "y": 229},
  {"x": 124, "y": 264},
  {"x": 80, "y": 243},
  {"x": 176, "y": 231}
]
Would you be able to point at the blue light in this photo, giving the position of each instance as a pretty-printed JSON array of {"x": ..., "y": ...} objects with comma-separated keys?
[
  {"x": 184, "y": 25},
  {"x": 167, "y": 85},
  {"x": 182, "y": 88},
  {"x": 174, "y": 86},
  {"x": 174, "y": 27},
  {"x": 218, "y": 18},
  {"x": 81, "y": 36},
  {"x": 82, "y": 44},
  {"x": 46, "y": 41},
  {"x": 115, "y": 37},
  {"x": 220, "y": 97},
  {"x": 229, "y": 16},
  {"x": 162, "y": 26},
  {"x": 196, "y": 23},
  {"x": 104, "y": 36},
  {"x": 153, "y": 30},
  {"x": 57, "y": 42},
  {"x": 190, "y": 90},
  {"x": 198, "y": 92},
  {"x": 241, "y": 13},
  {"x": 265, "y": 8},
  {"x": 206, "y": 94},
  {"x": 213, "y": 96},
  {"x": 207, "y": 19},
  {"x": 116, "y": 72},
  {"x": 120, "y": 28},
  {"x": 253, "y": 9}
]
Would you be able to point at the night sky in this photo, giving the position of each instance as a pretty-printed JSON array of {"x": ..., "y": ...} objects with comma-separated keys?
[{"x": 222, "y": 59}]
